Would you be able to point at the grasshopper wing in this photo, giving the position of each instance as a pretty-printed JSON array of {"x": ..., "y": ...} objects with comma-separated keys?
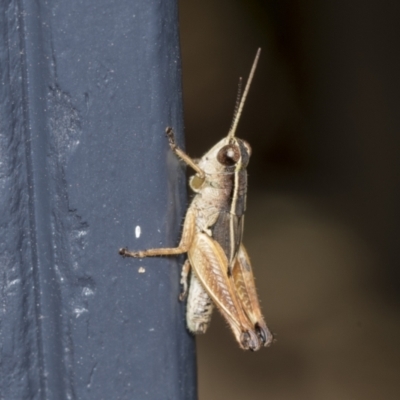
[
  {"x": 228, "y": 232},
  {"x": 210, "y": 265},
  {"x": 246, "y": 291}
]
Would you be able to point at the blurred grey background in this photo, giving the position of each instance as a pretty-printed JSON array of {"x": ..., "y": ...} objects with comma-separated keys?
[{"x": 322, "y": 225}]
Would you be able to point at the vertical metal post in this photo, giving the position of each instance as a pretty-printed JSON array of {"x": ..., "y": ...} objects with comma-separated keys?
[{"x": 88, "y": 88}]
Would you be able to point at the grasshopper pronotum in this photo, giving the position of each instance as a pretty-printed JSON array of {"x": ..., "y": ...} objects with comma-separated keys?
[{"x": 218, "y": 264}]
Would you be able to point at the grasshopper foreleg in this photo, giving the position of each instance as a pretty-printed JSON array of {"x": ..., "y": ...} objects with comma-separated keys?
[{"x": 181, "y": 154}]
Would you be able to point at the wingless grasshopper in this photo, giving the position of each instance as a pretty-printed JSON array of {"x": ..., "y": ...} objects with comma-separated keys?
[{"x": 218, "y": 264}]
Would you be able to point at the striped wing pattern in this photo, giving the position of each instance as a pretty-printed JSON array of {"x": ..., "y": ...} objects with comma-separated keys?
[{"x": 210, "y": 264}]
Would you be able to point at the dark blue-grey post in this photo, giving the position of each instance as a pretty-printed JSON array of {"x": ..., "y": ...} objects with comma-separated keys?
[{"x": 87, "y": 90}]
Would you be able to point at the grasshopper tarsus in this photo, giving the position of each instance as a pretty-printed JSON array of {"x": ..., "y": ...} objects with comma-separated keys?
[
  {"x": 183, "y": 295},
  {"x": 265, "y": 336},
  {"x": 122, "y": 252},
  {"x": 171, "y": 136},
  {"x": 249, "y": 341},
  {"x": 126, "y": 253}
]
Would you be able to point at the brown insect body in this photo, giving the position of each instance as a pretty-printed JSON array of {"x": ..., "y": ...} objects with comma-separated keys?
[
  {"x": 219, "y": 267},
  {"x": 218, "y": 259}
]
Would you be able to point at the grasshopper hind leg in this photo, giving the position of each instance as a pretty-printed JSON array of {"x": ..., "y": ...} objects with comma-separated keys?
[
  {"x": 199, "y": 307},
  {"x": 246, "y": 290}
]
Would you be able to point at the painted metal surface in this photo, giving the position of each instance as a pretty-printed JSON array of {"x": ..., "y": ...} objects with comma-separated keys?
[{"x": 87, "y": 91}]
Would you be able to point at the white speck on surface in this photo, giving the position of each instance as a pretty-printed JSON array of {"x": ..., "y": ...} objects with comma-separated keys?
[
  {"x": 138, "y": 231},
  {"x": 79, "y": 311},
  {"x": 151, "y": 330},
  {"x": 141, "y": 270},
  {"x": 87, "y": 291},
  {"x": 13, "y": 282},
  {"x": 81, "y": 233}
]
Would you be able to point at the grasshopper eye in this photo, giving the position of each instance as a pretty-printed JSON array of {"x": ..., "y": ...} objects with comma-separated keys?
[{"x": 228, "y": 155}]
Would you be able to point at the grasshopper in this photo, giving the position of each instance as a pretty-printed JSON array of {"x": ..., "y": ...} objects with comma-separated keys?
[{"x": 218, "y": 265}]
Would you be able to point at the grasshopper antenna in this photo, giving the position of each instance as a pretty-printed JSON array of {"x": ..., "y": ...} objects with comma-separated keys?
[
  {"x": 238, "y": 96},
  {"x": 239, "y": 109}
]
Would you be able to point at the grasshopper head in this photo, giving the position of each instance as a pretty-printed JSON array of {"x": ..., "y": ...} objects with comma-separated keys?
[
  {"x": 229, "y": 154},
  {"x": 226, "y": 157}
]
